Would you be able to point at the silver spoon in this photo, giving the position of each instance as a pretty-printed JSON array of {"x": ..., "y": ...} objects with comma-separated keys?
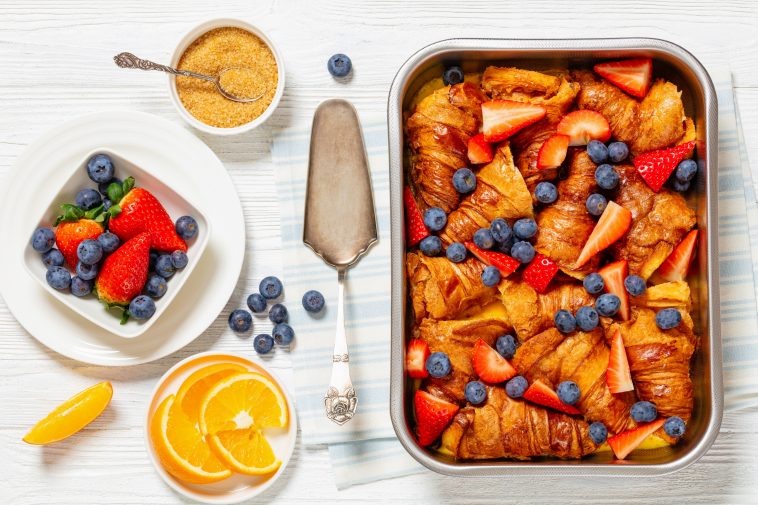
[{"x": 128, "y": 60}]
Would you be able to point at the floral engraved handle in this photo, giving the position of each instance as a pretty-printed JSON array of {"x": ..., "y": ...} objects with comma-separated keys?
[
  {"x": 128, "y": 60},
  {"x": 340, "y": 401}
]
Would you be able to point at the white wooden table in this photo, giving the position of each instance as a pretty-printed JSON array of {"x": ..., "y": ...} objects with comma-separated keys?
[{"x": 55, "y": 64}]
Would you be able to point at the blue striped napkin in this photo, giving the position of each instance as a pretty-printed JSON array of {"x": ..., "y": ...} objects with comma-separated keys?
[{"x": 365, "y": 449}]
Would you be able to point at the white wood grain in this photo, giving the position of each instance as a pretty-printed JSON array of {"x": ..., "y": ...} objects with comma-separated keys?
[{"x": 55, "y": 64}]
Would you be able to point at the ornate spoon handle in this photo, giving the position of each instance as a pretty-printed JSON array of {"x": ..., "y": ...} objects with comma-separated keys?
[
  {"x": 128, "y": 60},
  {"x": 340, "y": 400}
]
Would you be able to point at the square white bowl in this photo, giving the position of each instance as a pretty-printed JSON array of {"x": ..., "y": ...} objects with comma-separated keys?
[{"x": 89, "y": 306}]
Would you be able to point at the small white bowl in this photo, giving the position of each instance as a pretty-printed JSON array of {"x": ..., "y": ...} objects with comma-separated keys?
[
  {"x": 89, "y": 306},
  {"x": 238, "y": 487},
  {"x": 192, "y": 36}
]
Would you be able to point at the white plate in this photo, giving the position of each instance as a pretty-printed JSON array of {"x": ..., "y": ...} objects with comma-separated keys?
[
  {"x": 238, "y": 487},
  {"x": 172, "y": 153}
]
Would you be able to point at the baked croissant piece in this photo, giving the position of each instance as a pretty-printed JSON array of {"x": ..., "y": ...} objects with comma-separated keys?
[{"x": 438, "y": 133}]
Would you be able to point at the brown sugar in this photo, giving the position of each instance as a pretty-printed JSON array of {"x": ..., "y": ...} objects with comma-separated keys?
[{"x": 220, "y": 49}]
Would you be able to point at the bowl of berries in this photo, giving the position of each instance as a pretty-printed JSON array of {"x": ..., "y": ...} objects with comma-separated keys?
[{"x": 112, "y": 240}]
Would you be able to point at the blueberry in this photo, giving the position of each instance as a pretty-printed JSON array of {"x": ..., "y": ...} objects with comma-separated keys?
[
  {"x": 179, "y": 259},
  {"x": 263, "y": 343},
  {"x": 283, "y": 334},
  {"x": 186, "y": 227},
  {"x": 80, "y": 287},
  {"x": 100, "y": 168},
  {"x": 607, "y": 305},
  {"x": 43, "y": 239},
  {"x": 435, "y": 218},
  {"x": 597, "y": 151},
  {"x": 475, "y": 392},
  {"x": 256, "y": 303},
  {"x": 598, "y": 432},
  {"x": 516, "y": 387},
  {"x": 240, "y": 321},
  {"x": 89, "y": 251},
  {"x": 587, "y": 318},
  {"x": 156, "y": 286},
  {"x": 58, "y": 278},
  {"x": 617, "y": 152},
  {"x": 686, "y": 170},
  {"x": 679, "y": 186},
  {"x": 270, "y": 287},
  {"x": 153, "y": 259},
  {"x": 500, "y": 230},
  {"x": 564, "y": 321},
  {"x": 88, "y": 199},
  {"x": 644, "y": 412},
  {"x": 490, "y": 276},
  {"x": 313, "y": 301},
  {"x": 464, "y": 180},
  {"x": 505, "y": 247},
  {"x": 668, "y": 318},
  {"x": 438, "y": 365},
  {"x": 87, "y": 272},
  {"x": 525, "y": 228},
  {"x": 142, "y": 307},
  {"x": 606, "y": 176},
  {"x": 456, "y": 252},
  {"x": 339, "y": 65},
  {"x": 164, "y": 266},
  {"x": 546, "y": 192},
  {"x": 596, "y": 204},
  {"x": 568, "y": 392},
  {"x": 635, "y": 285},
  {"x": 107, "y": 204},
  {"x": 278, "y": 313},
  {"x": 523, "y": 251},
  {"x": 53, "y": 258},
  {"x": 674, "y": 426},
  {"x": 506, "y": 346},
  {"x": 431, "y": 246},
  {"x": 593, "y": 283},
  {"x": 108, "y": 241},
  {"x": 483, "y": 238},
  {"x": 103, "y": 186},
  {"x": 452, "y": 75}
]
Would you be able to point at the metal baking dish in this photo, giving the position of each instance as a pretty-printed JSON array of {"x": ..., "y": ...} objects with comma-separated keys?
[{"x": 671, "y": 62}]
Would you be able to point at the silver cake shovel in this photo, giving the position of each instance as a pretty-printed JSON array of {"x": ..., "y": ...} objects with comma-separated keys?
[{"x": 340, "y": 224}]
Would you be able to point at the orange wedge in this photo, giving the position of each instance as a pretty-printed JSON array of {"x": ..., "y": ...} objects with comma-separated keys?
[
  {"x": 72, "y": 415},
  {"x": 233, "y": 415},
  {"x": 194, "y": 388}
]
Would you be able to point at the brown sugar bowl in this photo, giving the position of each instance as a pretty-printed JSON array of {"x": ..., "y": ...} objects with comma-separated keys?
[{"x": 211, "y": 47}]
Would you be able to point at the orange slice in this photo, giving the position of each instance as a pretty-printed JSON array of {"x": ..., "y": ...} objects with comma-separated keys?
[
  {"x": 72, "y": 415},
  {"x": 181, "y": 447},
  {"x": 194, "y": 388}
]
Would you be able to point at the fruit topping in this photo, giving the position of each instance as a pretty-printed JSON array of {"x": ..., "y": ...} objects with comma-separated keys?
[
  {"x": 675, "y": 267},
  {"x": 502, "y": 262},
  {"x": 479, "y": 152},
  {"x": 164, "y": 266},
  {"x": 539, "y": 393},
  {"x": 540, "y": 272},
  {"x": 483, "y": 238},
  {"x": 525, "y": 228},
  {"x": 564, "y": 321},
  {"x": 501, "y": 230},
  {"x": 546, "y": 192},
  {"x": 156, "y": 286},
  {"x": 506, "y": 346},
  {"x": 491, "y": 276},
  {"x": 516, "y": 387},
  {"x": 87, "y": 272},
  {"x": 633, "y": 75},
  {"x": 613, "y": 275},
  {"x": 435, "y": 218},
  {"x": 597, "y": 151},
  {"x": 186, "y": 227},
  {"x": 464, "y": 180},
  {"x": 568, "y": 392},
  {"x": 635, "y": 285},
  {"x": 108, "y": 241},
  {"x": 617, "y": 152},
  {"x": 581, "y": 126},
  {"x": 415, "y": 358},
  {"x": 43, "y": 239},
  {"x": 618, "y": 378},
  {"x": 58, "y": 278},
  {"x": 624, "y": 443},
  {"x": 674, "y": 427},
  {"x": 432, "y": 416},
  {"x": 643, "y": 412},
  {"x": 686, "y": 170},
  {"x": 124, "y": 273},
  {"x": 456, "y": 252},
  {"x": 598, "y": 432},
  {"x": 667, "y": 319},
  {"x": 503, "y": 118},
  {"x": 596, "y": 204},
  {"x": 475, "y": 392},
  {"x": 452, "y": 75},
  {"x": 489, "y": 365},
  {"x": 416, "y": 230},
  {"x": 606, "y": 176},
  {"x": 53, "y": 258},
  {"x": 553, "y": 151},
  {"x": 88, "y": 199},
  {"x": 100, "y": 168},
  {"x": 438, "y": 365},
  {"x": 89, "y": 252},
  {"x": 142, "y": 307},
  {"x": 431, "y": 246},
  {"x": 523, "y": 251},
  {"x": 655, "y": 167},
  {"x": 587, "y": 318},
  {"x": 593, "y": 283},
  {"x": 611, "y": 226}
]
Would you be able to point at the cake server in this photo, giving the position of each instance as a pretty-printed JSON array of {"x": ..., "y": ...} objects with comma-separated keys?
[{"x": 340, "y": 224}]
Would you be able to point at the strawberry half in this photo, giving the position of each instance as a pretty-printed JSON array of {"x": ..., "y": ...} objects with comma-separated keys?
[
  {"x": 624, "y": 443},
  {"x": 124, "y": 273},
  {"x": 416, "y": 229},
  {"x": 539, "y": 393},
  {"x": 479, "y": 150},
  {"x": 633, "y": 76},
  {"x": 613, "y": 223},
  {"x": 581, "y": 126},
  {"x": 613, "y": 275},
  {"x": 501, "y": 261},
  {"x": 503, "y": 118},
  {"x": 678, "y": 263},
  {"x": 553, "y": 151},
  {"x": 489, "y": 365},
  {"x": 540, "y": 272},
  {"x": 655, "y": 167},
  {"x": 618, "y": 378},
  {"x": 432, "y": 416},
  {"x": 75, "y": 226},
  {"x": 415, "y": 358}
]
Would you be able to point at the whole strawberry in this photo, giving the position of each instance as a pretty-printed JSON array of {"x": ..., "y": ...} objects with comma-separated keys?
[
  {"x": 136, "y": 210},
  {"x": 75, "y": 226},
  {"x": 124, "y": 273}
]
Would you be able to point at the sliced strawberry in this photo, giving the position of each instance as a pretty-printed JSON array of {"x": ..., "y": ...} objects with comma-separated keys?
[
  {"x": 415, "y": 221},
  {"x": 581, "y": 126},
  {"x": 503, "y": 118},
  {"x": 655, "y": 167},
  {"x": 624, "y": 443},
  {"x": 540, "y": 272},
  {"x": 553, "y": 151},
  {"x": 479, "y": 150},
  {"x": 501, "y": 261},
  {"x": 613, "y": 223},
  {"x": 613, "y": 275},
  {"x": 676, "y": 265},
  {"x": 489, "y": 365},
  {"x": 539, "y": 393},
  {"x": 432, "y": 416},
  {"x": 617, "y": 376},
  {"x": 415, "y": 358},
  {"x": 633, "y": 76}
]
